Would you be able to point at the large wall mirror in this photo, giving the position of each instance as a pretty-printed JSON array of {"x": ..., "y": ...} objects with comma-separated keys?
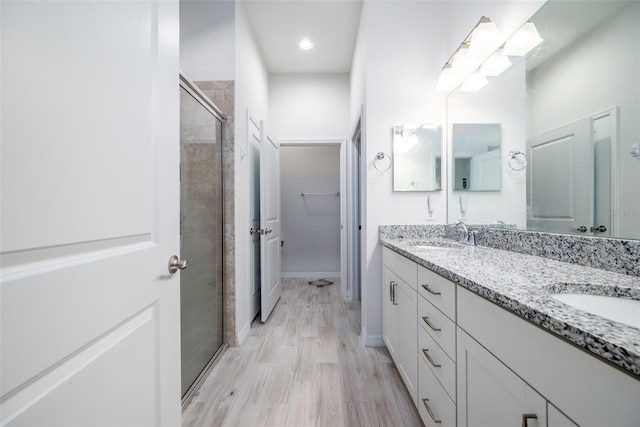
[
  {"x": 572, "y": 107},
  {"x": 417, "y": 157}
]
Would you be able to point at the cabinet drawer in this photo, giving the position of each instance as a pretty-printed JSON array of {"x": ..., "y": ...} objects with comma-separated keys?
[
  {"x": 403, "y": 267},
  {"x": 438, "y": 291},
  {"x": 439, "y": 326},
  {"x": 437, "y": 360},
  {"x": 433, "y": 396}
]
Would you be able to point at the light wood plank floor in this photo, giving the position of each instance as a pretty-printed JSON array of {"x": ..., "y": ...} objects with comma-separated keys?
[{"x": 305, "y": 366}]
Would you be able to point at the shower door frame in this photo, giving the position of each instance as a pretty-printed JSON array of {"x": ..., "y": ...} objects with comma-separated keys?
[{"x": 195, "y": 92}]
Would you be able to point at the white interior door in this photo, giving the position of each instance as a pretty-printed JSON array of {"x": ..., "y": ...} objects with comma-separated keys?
[
  {"x": 270, "y": 252},
  {"x": 255, "y": 137},
  {"x": 560, "y": 180},
  {"x": 486, "y": 171},
  {"x": 90, "y": 198}
]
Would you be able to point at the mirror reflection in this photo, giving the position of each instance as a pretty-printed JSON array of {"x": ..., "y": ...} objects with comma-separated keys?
[
  {"x": 476, "y": 156},
  {"x": 417, "y": 157},
  {"x": 576, "y": 100}
]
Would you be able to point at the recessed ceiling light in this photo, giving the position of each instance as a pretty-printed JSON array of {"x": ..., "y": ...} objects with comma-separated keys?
[{"x": 305, "y": 44}]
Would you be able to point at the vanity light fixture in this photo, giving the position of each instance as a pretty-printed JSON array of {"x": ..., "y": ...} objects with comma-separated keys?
[
  {"x": 495, "y": 64},
  {"x": 522, "y": 41},
  {"x": 463, "y": 61},
  {"x": 305, "y": 44},
  {"x": 481, "y": 41},
  {"x": 474, "y": 83},
  {"x": 485, "y": 38}
]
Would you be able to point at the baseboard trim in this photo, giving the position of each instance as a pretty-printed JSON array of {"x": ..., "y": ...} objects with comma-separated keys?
[
  {"x": 311, "y": 275},
  {"x": 372, "y": 340},
  {"x": 243, "y": 334}
]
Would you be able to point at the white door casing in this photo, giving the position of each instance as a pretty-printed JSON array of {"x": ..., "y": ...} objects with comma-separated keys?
[
  {"x": 270, "y": 252},
  {"x": 90, "y": 213}
]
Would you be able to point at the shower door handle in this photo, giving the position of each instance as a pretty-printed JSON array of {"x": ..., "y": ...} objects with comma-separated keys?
[{"x": 176, "y": 264}]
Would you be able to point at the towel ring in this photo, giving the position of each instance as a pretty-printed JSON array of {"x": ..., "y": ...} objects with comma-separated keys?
[
  {"x": 379, "y": 161},
  {"x": 517, "y": 160}
]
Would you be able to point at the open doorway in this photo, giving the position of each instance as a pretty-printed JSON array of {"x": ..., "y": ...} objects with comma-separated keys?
[{"x": 311, "y": 208}]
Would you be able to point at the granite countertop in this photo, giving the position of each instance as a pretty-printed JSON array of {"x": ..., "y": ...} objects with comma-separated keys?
[{"x": 523, "y": 284}]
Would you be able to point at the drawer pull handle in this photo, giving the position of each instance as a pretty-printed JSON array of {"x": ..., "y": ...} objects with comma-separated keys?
[
  {"x": 391, "y": 284},
  {"x": 426, "y": 354},
  {"x": 431, "y": 291},
  {"x": 433, "y": 417},
  {"x": 426, "y": 320},
  {"x": 526, "y": 418},
  {"x": 395, "y": 298}
]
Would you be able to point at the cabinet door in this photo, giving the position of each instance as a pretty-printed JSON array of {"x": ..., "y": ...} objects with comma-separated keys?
[
  {"x": 407, "y": 299},
  {"x": 390, "y": 312},
  {"x": 489, "y": 394}
]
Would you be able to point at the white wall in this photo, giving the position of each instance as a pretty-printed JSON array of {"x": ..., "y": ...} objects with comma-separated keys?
[
  {"x": 309, "y": 106},
  {"x": 405, "y": 50},
  {"x": 251, "y": 94},
  {"x": 407, "y": 43},
  {"x": 207, "y": 39},
  {"x": 603, "y": 87},
  {"x": 310, "y": 224}
]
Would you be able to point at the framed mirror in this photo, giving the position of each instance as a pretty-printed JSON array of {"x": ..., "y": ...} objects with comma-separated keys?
[
  {"x": 417, "y": 157},
  {"x": 573, "y": 104},
  {"x": 476, "y": 156}
]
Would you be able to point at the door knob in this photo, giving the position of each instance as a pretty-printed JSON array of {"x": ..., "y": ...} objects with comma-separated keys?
[
  {"x": 255, "y": 231},
  {"x": 581, "y": 229},
  {"x": 176, "y": 264}
]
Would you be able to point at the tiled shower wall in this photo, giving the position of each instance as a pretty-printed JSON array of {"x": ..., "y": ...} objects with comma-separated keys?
[{"x": 221, "y": 93}]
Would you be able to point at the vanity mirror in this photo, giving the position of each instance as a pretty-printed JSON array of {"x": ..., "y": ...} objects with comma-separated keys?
[
  {"x": 417, "y": 157},
  {"x": 571, "y": 107},
  {"x": 476, "y": 156}
]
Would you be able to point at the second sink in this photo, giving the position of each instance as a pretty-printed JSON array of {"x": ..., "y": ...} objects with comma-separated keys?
[{"x": 618, "y": 309}]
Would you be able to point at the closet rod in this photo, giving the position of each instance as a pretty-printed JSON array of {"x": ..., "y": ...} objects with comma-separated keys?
[{"x": 320, "y": 194}]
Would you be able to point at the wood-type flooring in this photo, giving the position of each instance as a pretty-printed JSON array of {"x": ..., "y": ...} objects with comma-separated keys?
[{"x": 306, "y": 366}]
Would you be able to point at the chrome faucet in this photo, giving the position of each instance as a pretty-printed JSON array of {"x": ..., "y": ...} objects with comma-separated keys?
[{"x": 469, "y": 236}]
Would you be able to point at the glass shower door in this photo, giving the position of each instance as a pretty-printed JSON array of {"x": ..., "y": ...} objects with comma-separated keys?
[{"x": 201, "y": 229}]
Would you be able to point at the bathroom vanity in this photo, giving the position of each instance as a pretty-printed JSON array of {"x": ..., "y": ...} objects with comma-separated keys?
[{"x": 479, "y": 338}]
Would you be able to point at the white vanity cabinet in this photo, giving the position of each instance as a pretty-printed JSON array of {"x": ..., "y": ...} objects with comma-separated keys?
[
  {"x": 399, "y": 314},
  {"x": 492, "y": 395},
  {"x": 469, "y": 362},
  {"x": 507, "y": 365}
]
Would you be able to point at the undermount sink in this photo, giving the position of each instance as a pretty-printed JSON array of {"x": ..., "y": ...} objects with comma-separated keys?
[
  {"x": 439, "y": 245},
  {"x": 618, "y": 309}
]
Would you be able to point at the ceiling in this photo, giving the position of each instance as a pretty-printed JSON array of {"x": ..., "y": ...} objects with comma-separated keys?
[{"x": 279, "y": 25}]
